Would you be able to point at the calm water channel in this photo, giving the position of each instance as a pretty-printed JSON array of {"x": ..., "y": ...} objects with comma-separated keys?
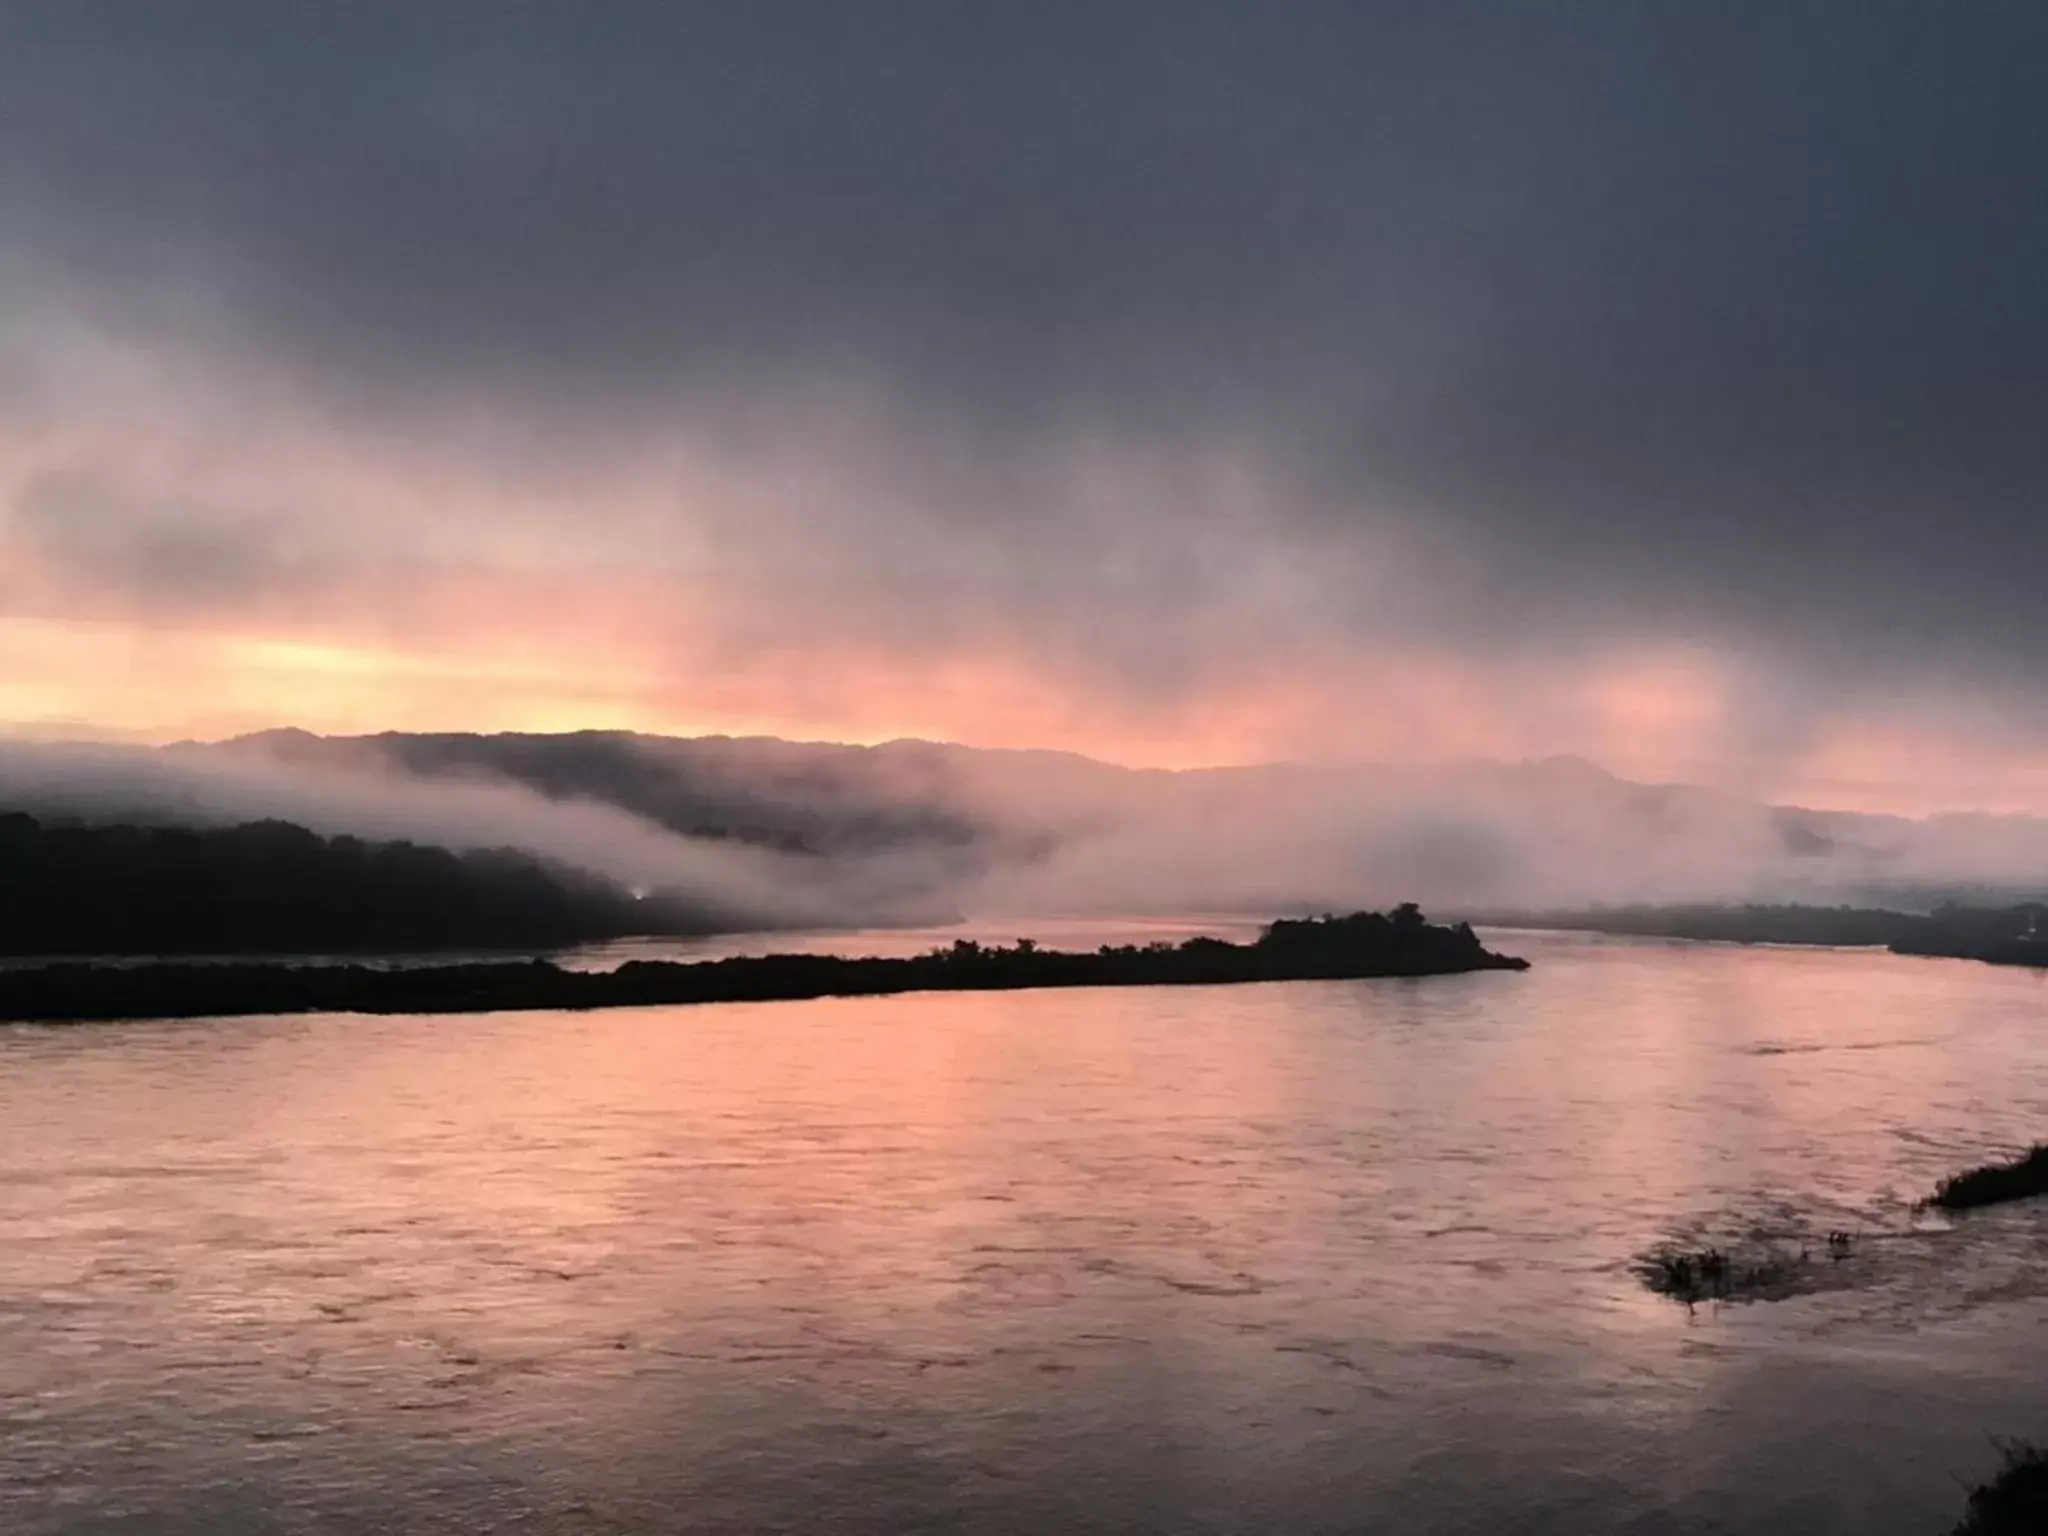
[{"x": 1333, "y": 1257}]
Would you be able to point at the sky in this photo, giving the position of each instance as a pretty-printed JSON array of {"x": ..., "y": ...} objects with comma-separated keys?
[{"x": 1180, "y": 383}]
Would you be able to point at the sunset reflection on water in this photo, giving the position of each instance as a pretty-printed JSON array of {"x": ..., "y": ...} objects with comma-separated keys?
[{"x": 1175, "y": 1259}]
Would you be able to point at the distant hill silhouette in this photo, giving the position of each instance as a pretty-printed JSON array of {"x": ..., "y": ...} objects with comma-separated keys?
[
  {"x": 271, "y": 887},
  {"x": 799, "y": 797}
]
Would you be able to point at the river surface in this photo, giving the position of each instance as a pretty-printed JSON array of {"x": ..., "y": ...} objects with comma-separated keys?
[{"x": 1301, "y": 1257}]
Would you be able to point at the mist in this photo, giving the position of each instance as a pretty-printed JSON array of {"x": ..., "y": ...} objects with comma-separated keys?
[
  {"x": 917, "y": 833},
  {"x": 753, "y": 887},
  {"x": 1495, "y": 838}
]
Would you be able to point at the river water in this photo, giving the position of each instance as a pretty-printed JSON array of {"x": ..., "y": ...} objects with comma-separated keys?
[{"x": 1331, "y": 1257}]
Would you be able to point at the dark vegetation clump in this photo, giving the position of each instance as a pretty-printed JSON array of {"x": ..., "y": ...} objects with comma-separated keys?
[
  {"x": 1998, "y": 935},
  {"x": 1761, "y": 1269},
  {"x": 1712, "y": 1274},
  {"x": 2019, "y": 1179},
  {"x": 269, "y": 887},
  {"x": 2015, "y": 1502},
  {"x": 1365, "y": 944}
]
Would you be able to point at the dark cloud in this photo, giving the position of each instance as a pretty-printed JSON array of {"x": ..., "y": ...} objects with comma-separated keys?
[
  {"x": 90, "y": 535},
  {"x": 1719, "y": 321}
]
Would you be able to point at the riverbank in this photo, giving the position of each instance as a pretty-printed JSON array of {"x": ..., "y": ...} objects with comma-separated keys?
[
  {"x": 2023, "y": 1178},
  {"x": 1362, "y": 945},
  {"x": 1993, "y": 935}
]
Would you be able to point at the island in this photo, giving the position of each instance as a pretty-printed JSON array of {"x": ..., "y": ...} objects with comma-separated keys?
[{"x": 1364, "y": 944}]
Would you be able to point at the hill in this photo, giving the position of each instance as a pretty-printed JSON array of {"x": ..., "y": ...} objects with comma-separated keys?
[{"x": 270, "y": 887}]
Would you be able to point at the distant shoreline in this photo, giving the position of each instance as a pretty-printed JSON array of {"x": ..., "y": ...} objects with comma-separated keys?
[
  {"x": 1362, "y": 946},
  {"x": 1993, "y": 935}
]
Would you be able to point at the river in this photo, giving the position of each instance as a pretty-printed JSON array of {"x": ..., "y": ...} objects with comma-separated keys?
[{"x": 1330, "y": 1257}]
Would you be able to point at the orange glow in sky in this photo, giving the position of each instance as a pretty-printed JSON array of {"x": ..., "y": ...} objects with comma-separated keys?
[{"x": 1655, "y": 716}]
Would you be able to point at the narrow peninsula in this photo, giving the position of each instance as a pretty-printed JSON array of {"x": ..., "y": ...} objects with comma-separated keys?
[{"x": 1364, "y": 944}]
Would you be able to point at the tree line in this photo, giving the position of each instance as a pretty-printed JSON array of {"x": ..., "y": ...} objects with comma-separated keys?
[{"x": 268, "y": 887}]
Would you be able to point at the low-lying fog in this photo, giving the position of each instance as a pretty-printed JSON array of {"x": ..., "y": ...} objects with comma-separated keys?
[{"x": 816, "y": 835}]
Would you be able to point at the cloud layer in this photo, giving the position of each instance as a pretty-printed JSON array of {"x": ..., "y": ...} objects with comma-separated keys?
[{"x": 1187, "y": 382}]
